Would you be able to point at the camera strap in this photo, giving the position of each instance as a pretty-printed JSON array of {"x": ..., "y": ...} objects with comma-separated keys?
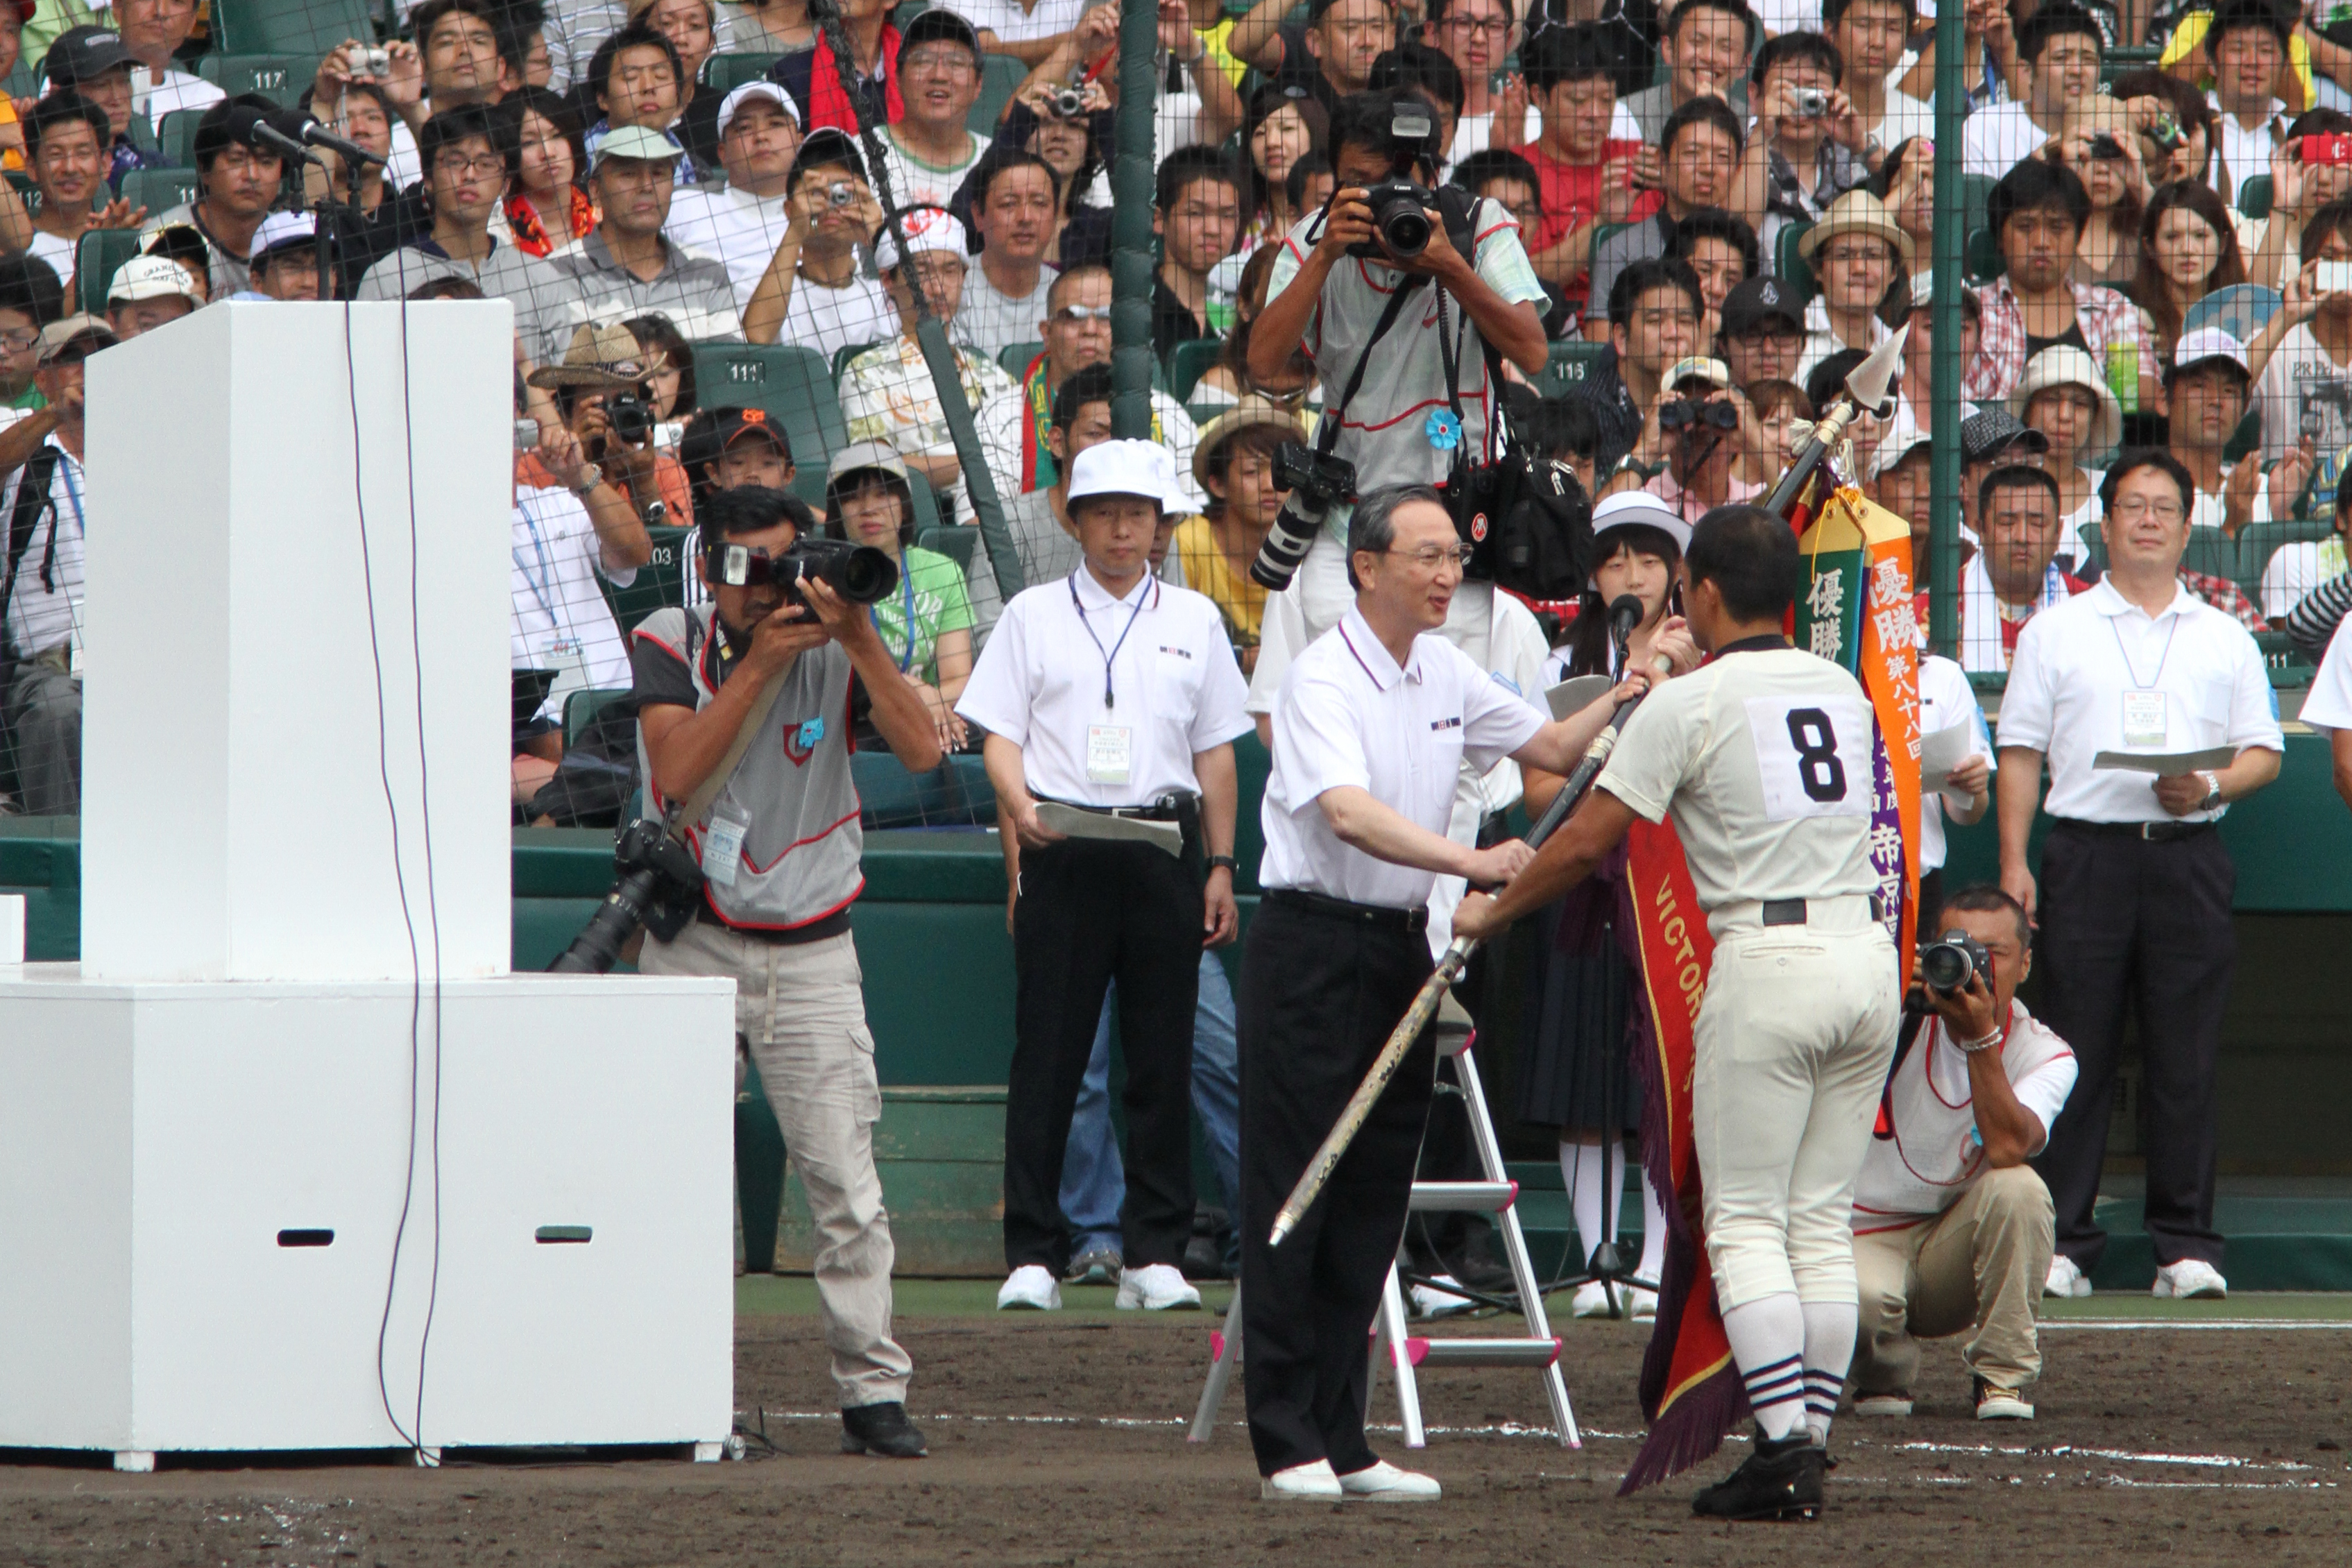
[
  {"x": 692, "y": 809},
  {"x": 1326, "y": 434}
]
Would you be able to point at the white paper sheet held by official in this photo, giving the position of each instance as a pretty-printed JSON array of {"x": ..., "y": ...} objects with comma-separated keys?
[
  {"x": 1076, "y": 823},
  {"x": 1576, "y": 693},
  {"x": 1941, "y": 751},
  {"x": 2167, "y": 764}
]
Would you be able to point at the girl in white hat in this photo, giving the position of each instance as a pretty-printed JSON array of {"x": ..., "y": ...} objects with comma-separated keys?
[{"x": 2063, "y": 396}]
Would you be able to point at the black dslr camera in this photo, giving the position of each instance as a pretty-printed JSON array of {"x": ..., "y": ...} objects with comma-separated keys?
[
  {"x": 1946, "y": 966},
  {"x": 632, "y": 422},
  {"x": 858, "y": 573},
  {"x": 1399, "y": 215},
  {"x": 659, "y": 884},
  {"x": 1317, "y": 481}
]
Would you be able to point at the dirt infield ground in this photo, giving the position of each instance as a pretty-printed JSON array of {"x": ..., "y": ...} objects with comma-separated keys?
[{"x": 1059, "y": 1441}]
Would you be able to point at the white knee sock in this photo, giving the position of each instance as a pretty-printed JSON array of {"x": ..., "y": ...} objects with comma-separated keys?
[
  {"x": 1767, "y": 1341},
  {"x": 1580, "y": 1166},
  {"x": 1653, "y": 1234},
  {"x": 1829, "y": 1327}
]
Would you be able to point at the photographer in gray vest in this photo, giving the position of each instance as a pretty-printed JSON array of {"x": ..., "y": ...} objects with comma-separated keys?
[{"x": 779, "y": 847}]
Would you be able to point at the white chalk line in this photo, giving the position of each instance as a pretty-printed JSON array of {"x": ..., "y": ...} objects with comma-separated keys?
[{"x": 2206, "y": 1325}]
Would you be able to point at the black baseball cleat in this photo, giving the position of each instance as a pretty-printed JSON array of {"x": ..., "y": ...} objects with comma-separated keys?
[
  {"x": 884, "y": 1430},
  {"x": 1780, "y": 1481}
]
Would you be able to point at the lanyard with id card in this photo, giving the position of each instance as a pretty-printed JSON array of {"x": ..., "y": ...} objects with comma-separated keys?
[
  {"x": 1110, "y": 753},
  {"x": 722, "y": 844},
  {"x": 2146, "y": 723}
]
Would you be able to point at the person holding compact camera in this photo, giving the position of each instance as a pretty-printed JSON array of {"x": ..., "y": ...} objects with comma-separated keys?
[
  {"x": 1953, "y": 1231},
  {"x": 778, "y": 845},
  {"x": 600, "y": 391}
]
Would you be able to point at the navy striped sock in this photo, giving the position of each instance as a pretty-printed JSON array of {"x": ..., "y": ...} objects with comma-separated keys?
[
  {"x": 1821, "y": 1391},
  {"x": 1776, "y": 1384}
]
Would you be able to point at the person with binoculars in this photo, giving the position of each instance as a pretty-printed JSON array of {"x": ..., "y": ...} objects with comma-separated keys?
[
  {"x": 778, "y": 845},
  {"x": 1693, "y": 437}
]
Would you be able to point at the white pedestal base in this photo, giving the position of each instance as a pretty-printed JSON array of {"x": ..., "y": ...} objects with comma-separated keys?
[{"x": 200, "y": 1185}]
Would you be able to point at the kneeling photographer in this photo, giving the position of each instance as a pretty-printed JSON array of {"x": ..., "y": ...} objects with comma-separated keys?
[{"x": 778, "y": 847}]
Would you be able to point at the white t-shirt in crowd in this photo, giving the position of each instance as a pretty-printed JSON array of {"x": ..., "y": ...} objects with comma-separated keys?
[
  {"x": 2294, "y": 569},
  {"x": 741, "y": 229},
  {"x": 1997, "y": 138},
  {"x": 992, "y": 322},
  {"x": 1013, "y": 24},
  {"x": 42, "y": 615},
  {"x": 2330, "y": 705},
  {"x": 2303, "y": 392},
  {"x": 1936, "y": 1151},
  {"x": 2240, "y": 153},
  {"x": 561, "y": 621},
  {"x": 2076, "y": 668},
  {"x": 1946, "y": 699},
  {"x": 831, "y": 320},
  {"x": 1763, "y": 758},
  {"x": 914, "y": 183},
  {"x": 1349, "y": 716},
  {"x": 175, "y": 90},
  {"x": 58, "y": 253}
]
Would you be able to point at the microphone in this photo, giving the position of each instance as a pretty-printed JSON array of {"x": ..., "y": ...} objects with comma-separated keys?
[
  {"x": 253, "y": 127},
  {"x": 1624, "y": 618},
  {"x": 317, "y": 135}
]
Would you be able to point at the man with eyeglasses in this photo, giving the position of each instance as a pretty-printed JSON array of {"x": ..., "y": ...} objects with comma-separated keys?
[
  {"x": 465, "y": 181},
  {"x": 1762, "y": 334},
  {"x": 1373, "y": 723},
  {"x": 2133, "y": 892},
  {"x": 931, "y": 148},
  {"x": 1701, "y": 151},
  {"x": 2060, "y": 45},
  {"x": 626, "y": 269},
  {"x": 1853, "y": 251},
  {"x": 1016, "y": 426}
]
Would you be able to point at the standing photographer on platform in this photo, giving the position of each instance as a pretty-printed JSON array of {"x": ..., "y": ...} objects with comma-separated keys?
[{"x": 780, "y": 851}]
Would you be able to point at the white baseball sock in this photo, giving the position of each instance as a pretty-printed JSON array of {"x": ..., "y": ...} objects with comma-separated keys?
[
  {"x": 1653, "y": 1234},
  {"x": 1591, "y": 1180},
  {"x": 1767, "y": 1341},
  {"x": 1829, "y": 1327}
]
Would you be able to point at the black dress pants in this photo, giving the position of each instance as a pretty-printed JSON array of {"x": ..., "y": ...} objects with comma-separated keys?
[
  {"x": 2131, "y": 924},
  {"x": 1319, "y": 996},
  {"x": 1090, "y": 910}
]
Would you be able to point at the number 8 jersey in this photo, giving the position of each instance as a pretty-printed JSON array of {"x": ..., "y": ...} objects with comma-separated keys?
[{"x": 1762, "y": 757}]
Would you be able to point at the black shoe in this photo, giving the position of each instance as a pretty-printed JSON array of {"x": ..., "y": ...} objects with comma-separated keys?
[
  {"x": 1780, "y": 1481},
  {"x": 884, "y": 1430}
]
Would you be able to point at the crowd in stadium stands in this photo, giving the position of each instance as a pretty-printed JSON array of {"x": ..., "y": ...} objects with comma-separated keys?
[{"x": 1723, "y": 207}]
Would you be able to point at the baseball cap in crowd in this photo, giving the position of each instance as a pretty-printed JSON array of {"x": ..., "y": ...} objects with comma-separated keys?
[
  {"x": 860, "y": 456},
  {"x": 1700, "y": 368},
  {"x": 712, "y": 431},
  {"x": 1755, "y": 301},
  {"x": 1127, "y": 468},
  {"x": 642, "y": 142},
  {"x": 1629, "y": 507},
  {"x": 829, "y": 145},
  {"x": 69, "y": 332},
  {"x": 283, "y": 231},
  {"x": 600, "y": 358},
  {"x": 1987, "y": 435},
  {"x": 927, "y": 228},
  {"x": 1254, "y": 409},
  {"x": 151, "y": 278},
  {"x": 85, "y": 54},
  {"x": 752, "y": 89},
  {"x": 1903, "y": 438},
  {"x": 936, "y": 24},
  {"x": 2207, "y": 345}
]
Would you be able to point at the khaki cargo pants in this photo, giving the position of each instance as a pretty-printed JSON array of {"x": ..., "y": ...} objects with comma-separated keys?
[{"x": 1979, "y": 1265}]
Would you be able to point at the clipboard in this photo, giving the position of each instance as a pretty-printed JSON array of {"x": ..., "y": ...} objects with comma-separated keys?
[
  {"x": 2167, "y": 764},
  {"x": 1075, "y": 823},
  {"x": 1576, "y": 693}
]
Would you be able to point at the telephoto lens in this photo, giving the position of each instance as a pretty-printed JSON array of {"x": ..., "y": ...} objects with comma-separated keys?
[
  {"x": 1286, "y": 543},
  {"x": 858, "y": 573}
]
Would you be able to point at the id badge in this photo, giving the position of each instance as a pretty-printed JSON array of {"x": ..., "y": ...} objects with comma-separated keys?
[
  {"x": 722, "y": 845},
  {"x": 1110, "y": 752},
  {"x": 2145, "y": 721},
  {"x": 568, "y": 656}
]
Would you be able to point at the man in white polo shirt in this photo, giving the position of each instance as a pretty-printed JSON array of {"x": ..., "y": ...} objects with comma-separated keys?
[
  {"x": 1952, "y": 1229},
  {"x": 1113, "y": 696},
  {"x": 2133, "y": 896},
  {"x": 2328, "y": 709},
  {"x": 1762, "y": 757},
  {"x": 1373, "y": 723}
]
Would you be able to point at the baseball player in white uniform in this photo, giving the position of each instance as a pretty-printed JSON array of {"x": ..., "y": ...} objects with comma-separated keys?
[{"x": 1762, "y": 757}]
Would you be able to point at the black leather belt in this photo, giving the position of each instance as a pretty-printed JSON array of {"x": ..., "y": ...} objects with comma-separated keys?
[
  {"x": 1411, "y": 922},
  {"x": 1792, "y": 912},
  {"x": 2150, "y": 832}
]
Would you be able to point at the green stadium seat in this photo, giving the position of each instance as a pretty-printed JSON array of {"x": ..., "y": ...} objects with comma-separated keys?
[
  {"x": 1788, "y": 263},
  {"x": 793, "y": 384},
  {"x": 158, "y": 190},
  {"x": 907, "y": 12},
  {"x": 175, "y": 138},
  {"x": 307, "y": 28},
  {"x": 580, "y": 708},
  {"x": 927, "y": 508},
  {"x": 2254, "y": 197},
  {"x": 1568, "y": 365},
  {"x": 2258, "y": 541},
  {"x": 281, "y": 77},
  {"x": 999, "y": 77},
  {"x": 1985, "y": 261},
  {"x": 955, "y": 543},
  {"x": 724, "y": 73},
  {"x": 1015, "y": 358},
  {"x": 658, "y": 585},
  {"x": 843, "y": 356},
  {"x": 1189, "y": 363},
  {"x": 100, "y": 254}
]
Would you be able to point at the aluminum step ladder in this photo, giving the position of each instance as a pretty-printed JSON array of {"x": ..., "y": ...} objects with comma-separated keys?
[{"x": 1403, "y": 1352}]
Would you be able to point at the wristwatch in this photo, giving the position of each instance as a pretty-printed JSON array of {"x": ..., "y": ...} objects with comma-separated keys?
[
  {"x": 1227, "y": 861},
  {"x": 591, "y": 476},
  {"x": 2212, "y": 790},
  {"x": 1629, "y": 464}
]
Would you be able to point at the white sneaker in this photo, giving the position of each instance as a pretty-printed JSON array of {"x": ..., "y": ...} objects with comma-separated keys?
[
  {"x": 1301, "y": 1483},
  {"x": 1882, "y": 1405},
  {"x": 2066, "y": 1280},
  {"x": 1428, "y": 1302},
  {"x": 1644, "y": 1306},
  {"x": 1032, "y": 1286},
  {"x": 1591, "y": 1300},
  {"x": 1155, "y": 1287},
  {"x": 2190, "y": 1280},
  {"x": 1383, "y": 1482}
]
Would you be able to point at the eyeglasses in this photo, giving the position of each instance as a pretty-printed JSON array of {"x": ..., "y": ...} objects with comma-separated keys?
[
  {"x": 486, "y": 165},
  {"x": 1434, "y": 557},
  {"x": 2131, "y": 509},
  {"x": 16, "y": 340},
  {"x": 952, "y": 63},
  {"x": 1074, "y": 315},
  {"x": 1492, "y": 26}
]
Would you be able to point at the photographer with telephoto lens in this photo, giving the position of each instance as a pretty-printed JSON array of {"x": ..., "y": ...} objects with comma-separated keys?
[{"x": 778, "y": 847}]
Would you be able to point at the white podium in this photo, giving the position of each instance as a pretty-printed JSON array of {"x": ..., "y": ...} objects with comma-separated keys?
[{"x": 282, "y": 1166}]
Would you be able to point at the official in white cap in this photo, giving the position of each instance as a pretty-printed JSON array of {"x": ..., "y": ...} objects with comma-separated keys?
[
  {"x": 1373, "y": 723},
  {"x": 1116, "y": 696}
]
